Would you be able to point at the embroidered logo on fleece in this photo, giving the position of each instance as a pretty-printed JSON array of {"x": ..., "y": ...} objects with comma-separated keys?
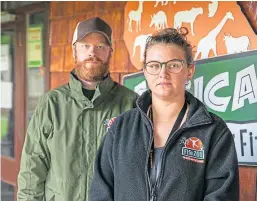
[
  {"x": 193, "y": 149},
  {"x": 109, "y": 122}
]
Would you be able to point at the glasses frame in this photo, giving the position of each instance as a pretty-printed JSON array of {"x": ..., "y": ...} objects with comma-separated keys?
[{"x": 165, "y": 65}]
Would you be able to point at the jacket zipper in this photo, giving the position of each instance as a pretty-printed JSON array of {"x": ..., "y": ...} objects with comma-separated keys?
[
  {"x": 153, "y": 190},
  {"x": 153, "y": 196},
  {"x": 160, "y": 176},
  {"x": 157, "y": 183},
  {"x": 163, "y": 154}
]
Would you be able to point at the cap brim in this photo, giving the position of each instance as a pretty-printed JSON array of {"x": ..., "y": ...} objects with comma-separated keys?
[{"x": 86, "y": 33}]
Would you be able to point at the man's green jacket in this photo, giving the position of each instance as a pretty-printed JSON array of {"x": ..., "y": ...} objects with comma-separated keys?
[{"x": 62, "y": 139}]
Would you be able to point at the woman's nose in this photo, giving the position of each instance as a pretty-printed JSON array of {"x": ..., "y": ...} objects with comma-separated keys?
[{"x": 163, "y": 72}]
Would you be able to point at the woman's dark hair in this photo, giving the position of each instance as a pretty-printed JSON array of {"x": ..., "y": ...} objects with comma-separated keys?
[{"x": 171, "y": 36}]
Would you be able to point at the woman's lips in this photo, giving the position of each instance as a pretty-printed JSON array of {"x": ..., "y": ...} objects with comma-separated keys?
[{"x": 164, "y": 83}]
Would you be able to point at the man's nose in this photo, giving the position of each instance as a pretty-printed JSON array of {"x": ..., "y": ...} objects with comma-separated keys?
[{"x": 92, "y": 51}]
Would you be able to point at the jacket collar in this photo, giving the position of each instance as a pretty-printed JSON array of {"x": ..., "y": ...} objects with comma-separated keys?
[
  {"x": 101, "y": 90},
  {"x": 197, "y": 113}
]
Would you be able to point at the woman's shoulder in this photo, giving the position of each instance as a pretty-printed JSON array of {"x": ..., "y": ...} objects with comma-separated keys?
[
  {"x": 218, "y": 121},
  {"x": 125, "y": 122},
  {"x": 127, "y": 117}
]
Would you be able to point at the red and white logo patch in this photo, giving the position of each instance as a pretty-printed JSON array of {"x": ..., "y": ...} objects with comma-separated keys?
[
  {"x": 193, "y": 150},
  {"x": 109, "y": 122}
]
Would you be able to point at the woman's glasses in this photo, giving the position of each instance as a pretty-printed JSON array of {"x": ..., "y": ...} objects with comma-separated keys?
[{"x": 172, "y": 66}]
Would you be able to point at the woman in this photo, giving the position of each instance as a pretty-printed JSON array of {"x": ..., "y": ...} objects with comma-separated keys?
[{"x": 169, "y": 147}]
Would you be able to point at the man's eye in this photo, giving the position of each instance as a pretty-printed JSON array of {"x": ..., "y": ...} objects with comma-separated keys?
[{"x": 85, "y": 45}]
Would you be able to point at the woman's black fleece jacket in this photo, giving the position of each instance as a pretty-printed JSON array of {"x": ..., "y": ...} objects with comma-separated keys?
[{"x": 199, "y": 161}]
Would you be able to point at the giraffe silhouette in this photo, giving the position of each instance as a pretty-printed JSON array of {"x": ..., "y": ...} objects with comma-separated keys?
[
  {"x": 208, "y": 43},
  {"x": 135, "y": 15}
]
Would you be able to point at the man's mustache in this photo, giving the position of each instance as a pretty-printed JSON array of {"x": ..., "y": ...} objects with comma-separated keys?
[{"x": 92, "y": 59}]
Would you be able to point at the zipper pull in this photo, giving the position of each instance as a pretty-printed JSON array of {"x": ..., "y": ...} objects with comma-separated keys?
[{"x": 153, "y": 196}]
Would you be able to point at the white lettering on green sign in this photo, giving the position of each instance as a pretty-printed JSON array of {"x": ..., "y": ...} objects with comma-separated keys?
[{"x": 244, "y": 89}]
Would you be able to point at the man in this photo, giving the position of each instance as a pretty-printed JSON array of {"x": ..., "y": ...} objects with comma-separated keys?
[{"x": 69, "y": 122}]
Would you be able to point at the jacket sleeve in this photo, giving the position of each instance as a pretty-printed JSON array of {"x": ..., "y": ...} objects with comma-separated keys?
[
  {"x": 222, "y": 176},
  {"x": 35, "y": 158},
  {"x": 102, "y": 187}
]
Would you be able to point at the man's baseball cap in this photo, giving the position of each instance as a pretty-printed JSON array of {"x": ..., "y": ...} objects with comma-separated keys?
[{"x": 92, "y": 25}]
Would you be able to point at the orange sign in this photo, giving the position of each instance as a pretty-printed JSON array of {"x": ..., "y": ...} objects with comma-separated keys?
[{"x": 215, "y": 28}]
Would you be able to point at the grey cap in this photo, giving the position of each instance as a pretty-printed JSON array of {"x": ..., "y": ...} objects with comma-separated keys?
[{"x": 92, "y": 25}]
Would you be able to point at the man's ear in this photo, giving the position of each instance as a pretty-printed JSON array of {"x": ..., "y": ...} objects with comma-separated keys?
[
  {"x": 74, "y": 51},
  {"x": 111, "y": 52}
]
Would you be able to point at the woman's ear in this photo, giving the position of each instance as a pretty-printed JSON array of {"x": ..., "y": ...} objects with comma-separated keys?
[
  {"x": 190, "y": 71},
  {"x": 142, "y": 64}
]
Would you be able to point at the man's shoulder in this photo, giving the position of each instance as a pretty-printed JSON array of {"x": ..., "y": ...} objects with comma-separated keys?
[
  {"x": 124, "y": 91},
  {"x": 58, "y": 92}
]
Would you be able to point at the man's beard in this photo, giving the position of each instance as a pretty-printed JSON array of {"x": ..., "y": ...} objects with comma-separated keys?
[{"x": 92, "y": 72}]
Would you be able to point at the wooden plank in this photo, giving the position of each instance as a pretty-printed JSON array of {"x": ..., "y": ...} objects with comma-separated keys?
[
  {"x": 109, "y": 6},
  {"x": 115, "y": 77},
  {"x": 249, "y": 9},
  {"x": 248, "y": 183},
  {"x": 61, "y": 9},
  {"x": 118, "y": 26},
  {"x": 58, "y": 79},
  {"x": 58, "y": 32},
  {"x": 132, "y": 68},
  {"x": 84, "y": 6},
  {"x": 9, "y": 171},
  {"x": 72, "y": 25},
  {"x": 121, "y": 57},
  {"x": 68, "y": 59},
  {"x": 57, "y": 59}
]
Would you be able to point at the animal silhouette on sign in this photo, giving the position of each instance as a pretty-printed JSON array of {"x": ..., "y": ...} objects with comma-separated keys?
[
  {"x": 208, "y": 43},
  {"x": 159, "y": 20},
  {"x": 187, "y": 16},
  {"x": 140, "y": 41},
  {"x": 212, "y": 8},
  {"x": 135, "y": 15},
  {"x": 162, "y": 2},
  {"x": 236, "y": 45}
]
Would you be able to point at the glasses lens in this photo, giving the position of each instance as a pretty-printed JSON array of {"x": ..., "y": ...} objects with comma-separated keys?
[
  {"x": 174, "y": 66},
  {"x": 153, "y": 68}
]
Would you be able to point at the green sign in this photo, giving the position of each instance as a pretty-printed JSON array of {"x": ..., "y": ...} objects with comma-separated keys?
[
  {"x": 34, "y": 46},
  {"x": 135, "y": 82},
  {"x": 6, "y": 39},
  {"x": 227, "y": 85},
  {"x": 4, "y": 127}
]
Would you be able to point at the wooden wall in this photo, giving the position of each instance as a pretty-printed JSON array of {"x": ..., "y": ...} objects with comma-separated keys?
[{"x": 63, "y": 19}]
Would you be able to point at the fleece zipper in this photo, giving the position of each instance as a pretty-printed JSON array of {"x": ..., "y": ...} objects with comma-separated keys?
[
  {"x": 160, "y": 176},
  {"x": 152, "y": 191}
]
